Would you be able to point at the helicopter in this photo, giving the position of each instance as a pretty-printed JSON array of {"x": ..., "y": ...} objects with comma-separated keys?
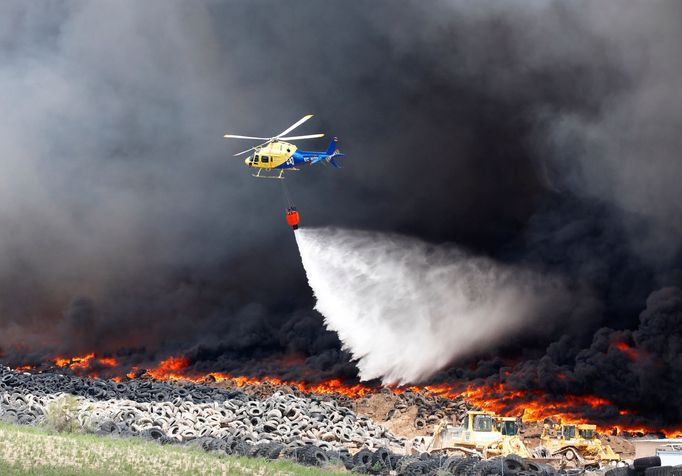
[{"x": 275, "y": 154}]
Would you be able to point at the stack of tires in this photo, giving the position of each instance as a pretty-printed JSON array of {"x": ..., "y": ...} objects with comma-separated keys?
[
  {"x": 648, "y": 466},
  {"x": 382, "y": 461},
  {"x": 430, "y": 408},
  {"x": 511, "y": 465}
]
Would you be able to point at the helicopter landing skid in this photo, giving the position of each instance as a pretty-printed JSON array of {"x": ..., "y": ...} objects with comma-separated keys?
[{"x": 279, "y": 176}]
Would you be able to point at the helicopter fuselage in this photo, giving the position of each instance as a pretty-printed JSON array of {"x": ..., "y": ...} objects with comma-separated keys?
[{"x": 283, "y": 155}]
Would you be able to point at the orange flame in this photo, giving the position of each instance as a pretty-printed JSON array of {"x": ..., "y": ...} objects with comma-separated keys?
[
  {"x": 169, "y": 369},
  {"x": 108, "y": 361},
  {"x": 82, "y": 364},
  {"x": 24, "y": 368},
  {"x": 77, "y": 362},
  {"x": 627, "y": 349},
  {"x": 175, "y": 368}
]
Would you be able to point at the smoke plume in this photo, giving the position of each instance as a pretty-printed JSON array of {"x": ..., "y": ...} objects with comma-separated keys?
[
  {"x": 541, "y": 134},
  {"x": 405, "y": 309}
]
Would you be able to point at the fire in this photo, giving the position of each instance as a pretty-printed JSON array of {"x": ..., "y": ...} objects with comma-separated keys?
[
  {"x": 536, "y": 406},
  {"x": 77, "y": 362},
  {"x": 625, "y": 348},
  {"x": 24, "y": 368},
  {"x": 170, "y": 368},
  {"x": 531, "y": 405},
  {"x": 108, "y": 361},
  {"x": 176, "y": 368},
  {"x": 85, "y": 364}
]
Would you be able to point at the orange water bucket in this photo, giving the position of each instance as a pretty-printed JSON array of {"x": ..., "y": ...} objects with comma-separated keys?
[{"x": 293, "y": 218}]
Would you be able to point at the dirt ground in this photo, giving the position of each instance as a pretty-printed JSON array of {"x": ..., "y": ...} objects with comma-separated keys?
[{"x": 377, "y": 408}]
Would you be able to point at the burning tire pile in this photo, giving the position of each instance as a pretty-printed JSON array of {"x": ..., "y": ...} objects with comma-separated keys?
[
  {"x": 429, "y": 409},
  {"x": 308, "y": 429}
]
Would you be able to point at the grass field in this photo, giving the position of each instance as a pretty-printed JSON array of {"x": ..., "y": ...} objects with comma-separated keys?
[{"x": 36, "y": 451}]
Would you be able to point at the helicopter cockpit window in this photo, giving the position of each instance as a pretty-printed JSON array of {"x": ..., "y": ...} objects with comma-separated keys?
[
  {"x": 265, "y": 159},
  {"x": 483, "y": 423},
  {"x": 255, "y": 158}
]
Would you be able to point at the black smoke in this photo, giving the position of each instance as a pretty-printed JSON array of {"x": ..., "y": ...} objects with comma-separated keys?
[{"x": 536, "y": 133}]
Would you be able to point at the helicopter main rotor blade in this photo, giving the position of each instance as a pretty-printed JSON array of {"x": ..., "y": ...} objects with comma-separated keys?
[
  {"x": 255, "y": 147},
  {"x": 310, "y": 136},
  {"x": 244, "y": 151},
  {"x": 300, "y": 121},
  {"x": 232, "y": 136}
]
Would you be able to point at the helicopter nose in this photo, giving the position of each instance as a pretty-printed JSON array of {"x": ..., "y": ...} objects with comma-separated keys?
[{"x": 247, "y": 161}]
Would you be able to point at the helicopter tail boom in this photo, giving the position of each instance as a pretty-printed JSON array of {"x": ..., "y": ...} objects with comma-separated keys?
[
  {"x": 332, "y": 146},
  {"x": 332, "y": 152}
]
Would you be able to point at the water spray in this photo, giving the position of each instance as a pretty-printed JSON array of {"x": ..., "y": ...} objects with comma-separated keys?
[{"x": 406, "y": 309}]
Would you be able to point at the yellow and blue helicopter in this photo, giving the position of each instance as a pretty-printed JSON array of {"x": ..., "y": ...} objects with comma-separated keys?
[{"x": 277, "y": 155}]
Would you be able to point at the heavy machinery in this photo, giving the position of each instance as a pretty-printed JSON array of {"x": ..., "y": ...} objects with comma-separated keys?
[
  {"x": 576, "y": 445},
  {"x": 481, "y": 433}
]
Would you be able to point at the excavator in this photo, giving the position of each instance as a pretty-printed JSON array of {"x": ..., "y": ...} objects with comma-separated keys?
[{"x": 577, "y": 445}]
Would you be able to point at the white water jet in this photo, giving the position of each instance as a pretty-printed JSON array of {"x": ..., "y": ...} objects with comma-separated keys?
[{"x": 406, "y": 309}]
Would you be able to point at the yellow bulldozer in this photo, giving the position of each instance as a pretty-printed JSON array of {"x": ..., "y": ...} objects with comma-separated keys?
[
  {"x": 576, "y": 444},
  {"x": 481, "y": 433}
]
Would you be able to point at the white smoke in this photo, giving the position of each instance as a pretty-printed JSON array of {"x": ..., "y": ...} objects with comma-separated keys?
[{"x": 405, "y": 309}]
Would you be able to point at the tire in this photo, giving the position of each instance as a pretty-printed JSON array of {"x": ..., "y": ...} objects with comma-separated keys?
[
  {"x": 466, "y": 467},
  {"x": 488, "y": 468},
  {"x": 394, "y": 461},
  {"x": 261, "y": 450},
  {"x": 312, "y": 456},
  {"x": 641, "y": 464},
  {"x": 405, "y": 462},
  {"x": 152, "y": 434},
  {"x": 514, "y": 464},
  {"x": 381, "y": 456},
  {"x": 362, "y": 457},
  {"x": 659, "y": 471},
  {"x": 230, "y": 445},
  {"x": 206, "y": 444},
  {"x": 219, "y": 445},
  {"x": 167, "y": 440},
  {"x": 274, "y": 450},
  {"x": 347, "y": 461},
  {"x": 108, "y": 427},
  {"x": 416, "y": 468},
  {"x": 362, "y": 469},
  {"x": 289, "y": 452},
  {"x": 241, "y": 449},
  {"x": 621, "y": 471}
]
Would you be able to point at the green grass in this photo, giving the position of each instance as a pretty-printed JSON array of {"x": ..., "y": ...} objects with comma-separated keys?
[{"x": 37, "y": 451}]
